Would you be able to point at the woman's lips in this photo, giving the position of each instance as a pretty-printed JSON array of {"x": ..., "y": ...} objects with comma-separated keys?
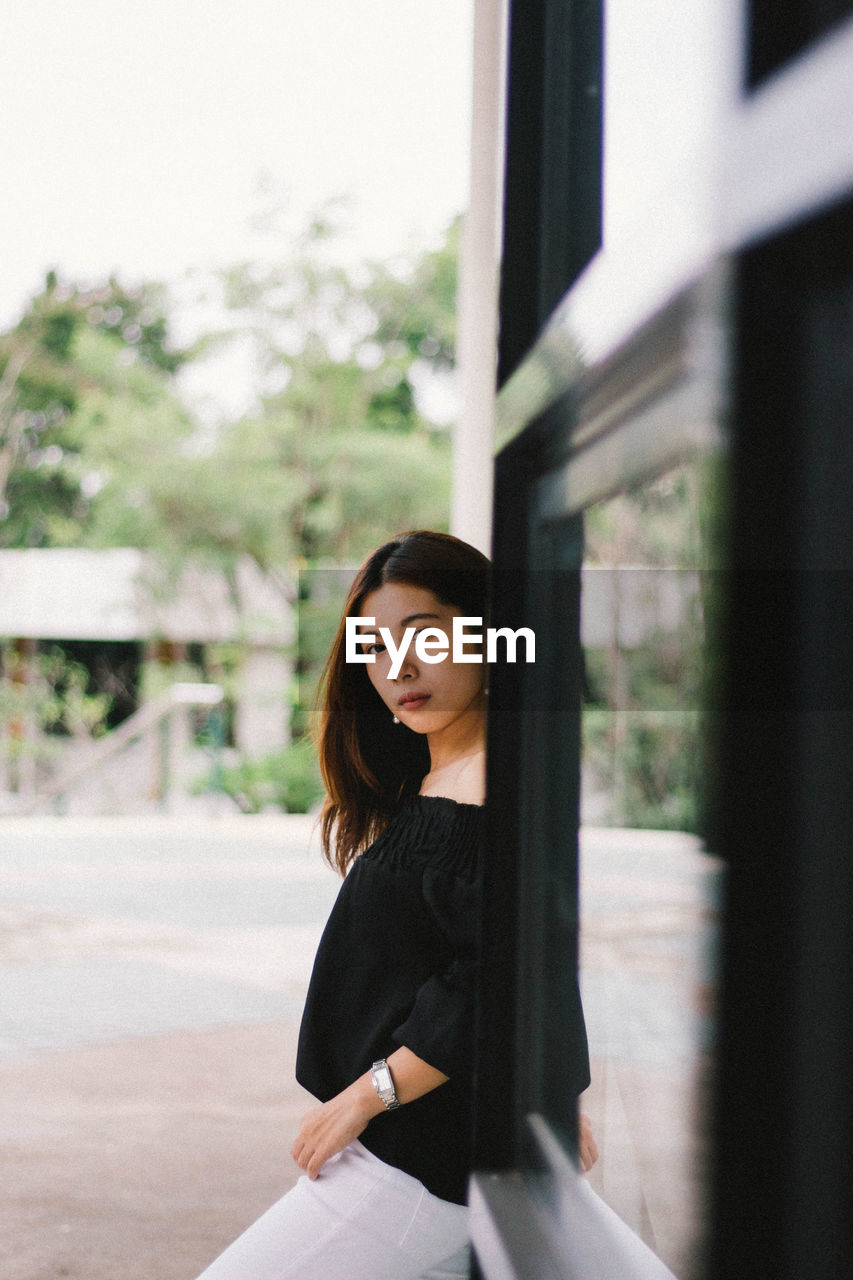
[{"x": 411, "y": 702}]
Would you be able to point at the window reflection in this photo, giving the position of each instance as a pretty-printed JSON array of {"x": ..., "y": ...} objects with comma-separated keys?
[
  {"x": 643, "y": 638},
  {"x": 649, "y": 887}
]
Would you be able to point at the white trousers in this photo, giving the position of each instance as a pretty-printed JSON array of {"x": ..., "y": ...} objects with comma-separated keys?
[{"x": 361, "y": 1219}]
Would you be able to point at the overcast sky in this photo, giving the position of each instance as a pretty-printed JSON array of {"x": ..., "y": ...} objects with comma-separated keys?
[{"x": 135, "y": 134}]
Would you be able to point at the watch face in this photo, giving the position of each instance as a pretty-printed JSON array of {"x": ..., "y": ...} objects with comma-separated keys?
[{"x": 383, "y": 1078}]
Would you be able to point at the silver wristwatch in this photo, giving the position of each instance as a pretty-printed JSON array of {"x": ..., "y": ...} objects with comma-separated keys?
[{"x": 383, "y": 1083}]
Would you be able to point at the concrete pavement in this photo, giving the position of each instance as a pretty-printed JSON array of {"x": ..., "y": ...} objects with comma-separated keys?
[
  {"x": 152, "y": 975},
  {"x": 649, "y": 904}
]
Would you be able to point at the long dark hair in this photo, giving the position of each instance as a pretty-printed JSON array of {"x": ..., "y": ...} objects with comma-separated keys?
[{"x": 369, "y": 765}]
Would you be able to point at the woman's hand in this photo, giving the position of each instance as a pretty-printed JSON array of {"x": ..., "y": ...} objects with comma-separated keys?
[
  {"x": 587, "y": 1147},
  {"x": 327, "y": 1129}
]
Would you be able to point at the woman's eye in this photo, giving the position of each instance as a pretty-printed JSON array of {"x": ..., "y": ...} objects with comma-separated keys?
[
  {"x": 375, "y": 648},
  {"x": 436, "y": 634}
]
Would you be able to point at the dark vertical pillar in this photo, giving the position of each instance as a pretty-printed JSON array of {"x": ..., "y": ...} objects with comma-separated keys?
[
  {"x": 783, "y": 1193},
  {"x": 552, "y": 196}
]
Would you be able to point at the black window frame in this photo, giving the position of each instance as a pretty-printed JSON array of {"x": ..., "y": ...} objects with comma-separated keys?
[{"x": 568, "y": 436}]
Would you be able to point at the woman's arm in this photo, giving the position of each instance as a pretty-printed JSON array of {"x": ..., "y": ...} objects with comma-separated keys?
[{"x": 327, "y": 1129}]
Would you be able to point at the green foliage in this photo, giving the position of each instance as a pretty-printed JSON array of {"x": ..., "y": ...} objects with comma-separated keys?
[
  {"x": 96, "y": 448},
  {"x": 84, "y": 382},
  {"x": 42, "y": 696},
  {"x": 289, "y": 780},
  {"x": 291, "y": 486},
  {"x": 336, "y": 456},
  {"x": 646, "y": 744},
  {"x": 647, "y": 764},
  {"x": 663, "y": 524},
  {"x": 417, "y": 308},
  {"x": 320, "y": 599}
]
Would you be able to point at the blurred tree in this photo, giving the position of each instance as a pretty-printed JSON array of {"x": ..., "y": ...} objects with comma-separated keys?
[
  {"x": 338, "y": 454},
  {"x": 338, "y": 451},
  {"x": 96, "y": 447},
  {"x": 84, "y": 390}
]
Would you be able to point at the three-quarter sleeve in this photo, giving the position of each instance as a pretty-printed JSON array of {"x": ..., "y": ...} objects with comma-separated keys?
[{"x": 439, "y": 1027}]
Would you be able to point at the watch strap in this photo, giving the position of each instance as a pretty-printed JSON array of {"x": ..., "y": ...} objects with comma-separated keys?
[{"x": 383, "y": 1083}]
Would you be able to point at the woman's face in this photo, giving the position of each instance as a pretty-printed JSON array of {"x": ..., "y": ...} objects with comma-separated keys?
[{"x": 428, "y": 697}]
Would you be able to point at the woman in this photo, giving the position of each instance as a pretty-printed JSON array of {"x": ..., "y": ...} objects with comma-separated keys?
[{"x": 386, "y": 1037}]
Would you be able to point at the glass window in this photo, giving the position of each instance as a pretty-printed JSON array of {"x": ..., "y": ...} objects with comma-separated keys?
[{"x": 649, "y": 886}]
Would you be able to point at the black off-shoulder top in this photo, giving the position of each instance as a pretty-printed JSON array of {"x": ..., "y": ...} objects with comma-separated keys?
[{"x": 396, "y": 966}]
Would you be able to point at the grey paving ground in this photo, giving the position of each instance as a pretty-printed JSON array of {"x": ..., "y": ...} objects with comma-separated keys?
[
  {"x": 152, "y": 975},
  {"x": 120, "y": 927},
  {"x": 649, "y": 910}
]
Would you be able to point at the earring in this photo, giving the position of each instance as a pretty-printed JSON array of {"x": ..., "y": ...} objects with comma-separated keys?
[{"x": 395, "y": 719}]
